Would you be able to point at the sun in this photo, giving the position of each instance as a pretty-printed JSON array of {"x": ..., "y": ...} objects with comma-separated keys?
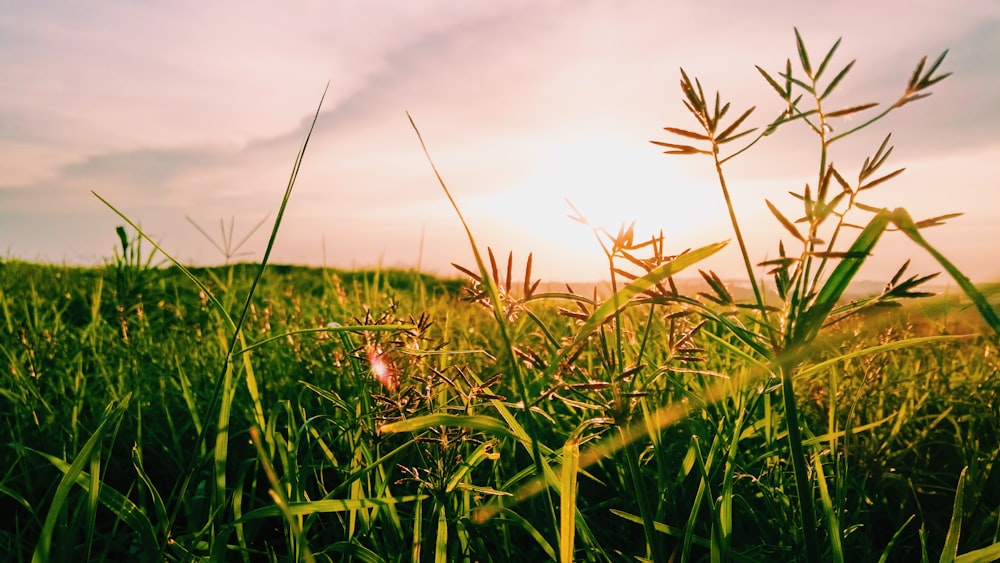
[{"x": 610, "y": 183}]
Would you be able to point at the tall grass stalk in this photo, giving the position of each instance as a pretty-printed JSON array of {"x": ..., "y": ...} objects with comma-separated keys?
[
  {"x": 493, "y": 299},
  {"x": 808, "y": 296},
  {"x": 221, "y": 403},
  {"x": 224, "y": 391}
]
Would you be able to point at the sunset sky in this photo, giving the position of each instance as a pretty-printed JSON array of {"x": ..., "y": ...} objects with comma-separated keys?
[{"x": 192, "y": 111}]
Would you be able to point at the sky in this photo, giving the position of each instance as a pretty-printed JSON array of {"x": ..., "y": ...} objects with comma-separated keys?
[{"x": 189, "y": 114}]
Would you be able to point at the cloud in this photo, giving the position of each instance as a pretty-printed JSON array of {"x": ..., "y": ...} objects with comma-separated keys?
[{"x": 191, "y": 109}]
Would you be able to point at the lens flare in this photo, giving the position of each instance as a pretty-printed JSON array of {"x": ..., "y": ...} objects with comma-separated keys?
[{"x": 383, "y": 369}]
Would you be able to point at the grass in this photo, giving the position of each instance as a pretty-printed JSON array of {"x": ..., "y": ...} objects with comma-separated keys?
[
  {"x": 904, "y": 423},
  {"x": 259, "y": 412}
]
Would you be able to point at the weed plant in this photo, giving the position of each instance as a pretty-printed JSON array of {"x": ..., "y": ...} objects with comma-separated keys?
[{"x": 258, "y": 412}]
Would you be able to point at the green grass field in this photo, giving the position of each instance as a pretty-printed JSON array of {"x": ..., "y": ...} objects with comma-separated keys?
[{"x": 128, "y": 435}]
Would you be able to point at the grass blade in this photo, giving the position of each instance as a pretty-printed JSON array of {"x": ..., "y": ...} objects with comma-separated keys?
[
  {"x": 530, "y": 529},
  {"x": 905, "y": 223},
  {"x": 441, "y": 538},
  {"x": 305, "y": 508},
  {"x": 877, "y": 349},
  {"x": 123, "y": 508},
  {"x": 813, "y": 318},
  {"x": 983, "y": 555},
  {"x": 280, "y": 498},
  {"x": 950, "y": 550},
  {"x": 486, "y": 424},
  {"x": 418, "y": 518},
  {"x": 541, "y": 467},
  {"x": 73, "y": 475},
  {"x": 615, "y": 303},
  {"x": 326, "y": 330},
  {"x": 830, "y": 511},
  {"x": 480, "y": 454},
  {"x": 224, "y": 388},
  {"x": 895, "y": 538},
  {"x": 567, "y": 499},
  {"x": 836, "y": 80},
  {"x": 158, "y": 506}
]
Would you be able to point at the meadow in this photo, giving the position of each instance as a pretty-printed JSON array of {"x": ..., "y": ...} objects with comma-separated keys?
[
  {"x": 259, "y": 412},
  {"x": 113, "y": 450}
]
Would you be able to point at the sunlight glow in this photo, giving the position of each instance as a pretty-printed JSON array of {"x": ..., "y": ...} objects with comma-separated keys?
[{"x": 611, "y": 184}]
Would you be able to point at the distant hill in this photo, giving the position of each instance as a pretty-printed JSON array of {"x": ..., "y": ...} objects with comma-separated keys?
[{"x": 740, "y": 289}]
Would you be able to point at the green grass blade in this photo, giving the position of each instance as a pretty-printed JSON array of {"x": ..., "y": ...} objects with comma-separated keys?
[
  {"x": 830, "y": 511},
  {"x": 355, "y": 551},
  {"x": 480, "y": 454},
  {"x": 158, "y": 507},
  {"x": 224, "y": 389},
  {"x": 253, "y": 390},
  {"x": 567, "y": 499},
  {"x": 895, "y": 538},
  {"x": 484, "y": 273},
  {"x": 221, "y": 449},
  {"x": 620, "y": 299},
  {"x": 664, "y": 528},
  {"x": 529, "y": 528},
  {"x": 724, "y": 506},
  {"x": 836, "y": 80},
  {"x": 950, "y": 551},
  {"x": 803, "y": 55},
  {"x": 123, "y": 508},
  {"x": 277, "y": 221},
  {"x": 986, "y": 554},
  {"x": 807, "y": 327},
  {"x": 905, "y": 223},
  {"x": 694, "y": 452},
  {"x": 187, "y": 393},
  {"x": 326, "y": 329},
  {"x": 878, "y": 349},
  {"x": 237, "y": 336},
  {"x": 280, "y": 498},
  {"x": 93, "y": 489},
  {"x": 73, "y": 475},
  {"x": 441, "y": 538},
  {"x": 483, "y": 423},
  {"x": 418, "y": 518},
  {"x": 305, "y": 508},
  {"x": 498, "y": 313}
]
